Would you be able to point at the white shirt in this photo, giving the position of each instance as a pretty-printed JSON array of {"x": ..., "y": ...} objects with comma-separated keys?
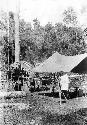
[{"x": 64, "y": 82}]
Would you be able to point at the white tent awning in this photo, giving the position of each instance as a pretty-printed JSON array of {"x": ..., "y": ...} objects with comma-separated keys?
[{"x": 58, "y": 62}]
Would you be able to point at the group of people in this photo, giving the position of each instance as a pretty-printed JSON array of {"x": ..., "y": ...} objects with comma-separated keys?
[
  {"x": 52, "y": 81},
  {"x": 18, "y": 77}
]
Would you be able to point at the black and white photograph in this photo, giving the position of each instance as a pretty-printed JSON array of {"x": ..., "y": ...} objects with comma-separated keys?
[{"x": 43, "y": 62}]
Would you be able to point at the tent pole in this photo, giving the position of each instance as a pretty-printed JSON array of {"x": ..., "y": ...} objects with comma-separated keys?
[
  {"x": 60, "y": 95},
  {"x": 60, "y": 92}
]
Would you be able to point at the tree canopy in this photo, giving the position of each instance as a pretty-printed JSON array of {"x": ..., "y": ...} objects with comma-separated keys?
[
  {"x": 39, "y": 42},
  {"x": 70, "y": 16}
]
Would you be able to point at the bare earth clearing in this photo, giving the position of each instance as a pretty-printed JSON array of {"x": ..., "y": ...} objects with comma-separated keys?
[{"x": 42, "y": 110}]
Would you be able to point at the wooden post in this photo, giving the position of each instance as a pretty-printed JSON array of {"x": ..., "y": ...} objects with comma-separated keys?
[
  {"x": 60, "y": 96},
  {"x": 60, "y": 92}
]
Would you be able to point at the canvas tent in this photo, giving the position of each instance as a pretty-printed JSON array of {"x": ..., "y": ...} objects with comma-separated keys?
[
  {"x": 25, "y": 65},
  {"x": 81, "y": 67},
  {"x": 58, "y": 62}
]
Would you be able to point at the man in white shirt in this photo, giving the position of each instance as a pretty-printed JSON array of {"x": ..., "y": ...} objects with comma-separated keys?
[
  {"x": 64, "y": 85},
  {"x": 64, "y": 82}
]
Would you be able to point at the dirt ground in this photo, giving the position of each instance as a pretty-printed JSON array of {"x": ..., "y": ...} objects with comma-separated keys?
[{"x": 41, "y": 110}]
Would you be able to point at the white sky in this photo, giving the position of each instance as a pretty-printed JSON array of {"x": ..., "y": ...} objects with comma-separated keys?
[{"x": 46, "y": 10}]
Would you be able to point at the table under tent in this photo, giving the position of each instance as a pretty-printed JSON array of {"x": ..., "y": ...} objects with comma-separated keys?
[{"x": 62, "y": 65}]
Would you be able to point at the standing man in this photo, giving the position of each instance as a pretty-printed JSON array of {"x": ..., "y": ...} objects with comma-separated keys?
[{"x": 64, "y": 84}]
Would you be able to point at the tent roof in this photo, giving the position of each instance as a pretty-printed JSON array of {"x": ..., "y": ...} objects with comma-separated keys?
[
  {"x": 26, "y": 65},
  {"x": 81, "y": 67},
  {"x": 58, "y": 62}
]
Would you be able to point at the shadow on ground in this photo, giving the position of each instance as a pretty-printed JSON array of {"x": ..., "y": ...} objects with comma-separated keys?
[{"x": 36, "y": 115}]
